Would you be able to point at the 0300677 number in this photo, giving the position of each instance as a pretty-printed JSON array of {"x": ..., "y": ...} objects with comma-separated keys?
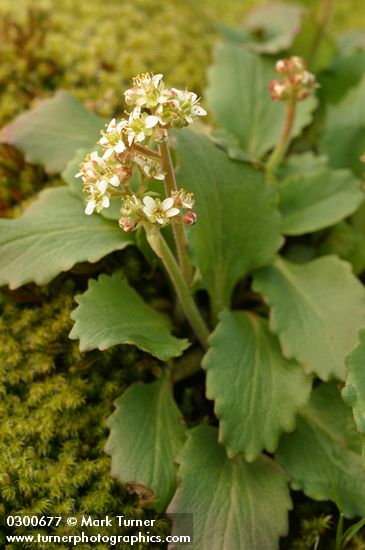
[{"x": 34, "y": 521}]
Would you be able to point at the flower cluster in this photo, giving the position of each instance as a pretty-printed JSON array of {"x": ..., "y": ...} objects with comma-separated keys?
[
  {"x": 149, "y": 209},
  {"x": 132, "y": 142},
  {"x": 297, "y": 83}
]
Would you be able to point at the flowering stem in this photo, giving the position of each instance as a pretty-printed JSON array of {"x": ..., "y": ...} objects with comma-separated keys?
[
  {"x": 322, "y": 24},
  {"x": 177, "y": 229},
  {"x": 182, "y": 290},
  {"x": 279, "y": 152},
  {"x": 146, "y": 151}
]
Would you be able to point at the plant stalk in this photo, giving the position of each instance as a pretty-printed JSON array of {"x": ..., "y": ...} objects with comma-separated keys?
[
  {"x": 323, "y": 20},
  {"x": 177, "y": 229},
  {"x": 183, "y": 292},
  {"x": 280, "y": 150},
  {"x": 146, "y": 151}
]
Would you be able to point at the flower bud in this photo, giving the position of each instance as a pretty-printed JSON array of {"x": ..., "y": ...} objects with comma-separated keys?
[
  {"x": 126, "y": 224},
  {"x": 190, "y": 218}
]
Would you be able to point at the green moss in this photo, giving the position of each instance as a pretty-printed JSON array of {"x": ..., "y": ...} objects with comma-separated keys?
[{"x": 53, "y": 406}]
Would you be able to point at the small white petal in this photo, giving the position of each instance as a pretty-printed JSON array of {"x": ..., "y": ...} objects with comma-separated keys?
[
  {"x": 105, "y": 202},
  {"x": 90, "y": 173},
  {"x": 111, "y": 125},
  {"x": 159, "y": 219},
  {"x": 172, "y": 212},
  {"x": 119, "y": 147},
  {"x": 136, "y": 112},
  {"x": 159, "y": 177},
  {"x": 94, "y": 155},
  {"x": 151, "y": 121},
  {"x": 130, "y": 139},
  {"x": 156, "y": 79},
  {"x": 149, "y": 201},
  {"x": 114, "y": 181},
  {"x": 198, "y": 111},
  {"x": 167, "y": 203},
  {"x": 140, "y": 136},
  {"x": 102, "y": 186},
  {"x": 78, "y": 175},
  {"x": 147, "y": 210},
  {"x": 108, "y": 153},
  {"x": 103, "y": 141},
  {"x": 90, "y": 207}
]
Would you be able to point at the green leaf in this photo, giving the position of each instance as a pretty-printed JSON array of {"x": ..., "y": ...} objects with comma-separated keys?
[
  {"x": 313, "y": 199},
  {"x": 51, "y": 133},
  {"x": 343, "y": 139},
  {"x": 322, "y": 456},
  {"x": 345, "y": 72},
  {"x": 110, "y": 312},
  {"x": 354, "y": 391},
  {"x": 52, "y": 236},
  {"x": 317, "y": 309},
  {"x": 239, "y": 99},
  {"x": 305, "y": 40},
  {"x": 348, "y": 242},
  {"x": 146, "y": 433},
  {"x": 257, "y": 392},
  {"x": 238, "y": 222},
  {"x": 274, "y": 27},
  {"x": 234, "y": 504}
]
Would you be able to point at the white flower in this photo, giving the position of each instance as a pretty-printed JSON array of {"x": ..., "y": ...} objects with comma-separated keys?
[
  {"x": 90, "y": 207},
  {"x": 157, "y": 211},
  {"x": 150, "y": 167}
]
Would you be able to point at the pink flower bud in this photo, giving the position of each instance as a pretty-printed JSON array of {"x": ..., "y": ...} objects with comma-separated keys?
[
  {"x": 126, "y": 224},
  {"x": 190, "y": 218}
]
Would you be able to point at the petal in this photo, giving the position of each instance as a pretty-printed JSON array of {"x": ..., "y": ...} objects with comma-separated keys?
[
  {"x": 159, "y": 176},
  {"x": 149, "y": 201},
  {"x": 102, "y": 186},
  {"x": 90, "y": 173},
  {"x": 90, "y": 207},
  {"x": 108, "y": 153},
  {"x": 151, "y": 121},
  {"x": 156, "y": 79},
  {"x": 147, "y": 211},
  {"x": 103, "y": 141},
  {"x": 94, "y": 155},
  {"x": 198, "y": 111},
  {"x": 119, "y": 147},
  {"x": 167, "y": 203},
  {"x": 105, "y": 202},
  {"x": 172, "y": 212},
  {"x": 159, "y": 219},
  {"x": 111, "y": 125},
  {"x": 114, "y": 181},
  {"x": 78, "y": 175}
]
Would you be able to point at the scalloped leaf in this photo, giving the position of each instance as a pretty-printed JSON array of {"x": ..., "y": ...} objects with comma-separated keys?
[
  {"x": 111, "y": 312},
  {"x": 51, "y": 133},
  {"x": 276, "y": 27},
  {"x": 234, "y": 504},
  {"x": 322, "y": 456},
  {"x": 238, "y": 98},
  {"x": 317, "y": 197},
  {"x": 245, "y": 363},
  {"x": 238, "y": 221},
  {"x": 146, "y": 434},
  {"x": 317, "y": 310},
  {"x": 354, "y": 391},
  {"x": 343, "y": 139},
  {"x": 52, "y": 236}
]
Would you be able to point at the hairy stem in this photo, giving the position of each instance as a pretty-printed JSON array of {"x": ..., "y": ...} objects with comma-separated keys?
[
  {"x": 177, "y": 229},
  {"x": 187, "y": 365},
  {"x": 323, "y": 20},
  {"x": 279, "y": 152},
  {"x": 187, "y": 302},
  {"x": 146, "y": 151}
]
